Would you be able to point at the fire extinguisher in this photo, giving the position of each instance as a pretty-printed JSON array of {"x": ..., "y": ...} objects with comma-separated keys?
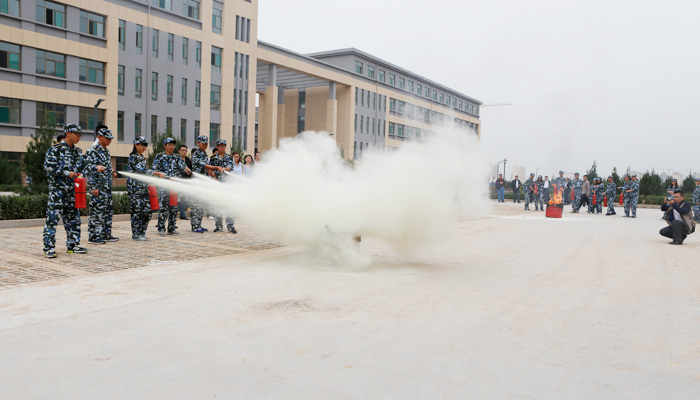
[
  {"x": 621, "y": 195},
  {"x": 605, "y": 201},
  {"x": 594, "y": 199},
  {"x": 80, "y": 188},
  {"x": 173, "y": 198},
  {"x": 572, "y": 195},
  {"x": 153, "y": 197}
]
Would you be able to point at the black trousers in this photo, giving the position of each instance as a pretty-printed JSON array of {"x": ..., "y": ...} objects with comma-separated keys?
[
  {"x": 516, "y": 195},
  {"x": 676, "y": 231}
]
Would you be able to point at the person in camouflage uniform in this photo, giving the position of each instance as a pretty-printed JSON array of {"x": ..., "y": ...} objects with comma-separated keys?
[
  {"x": 633, "y": 196},
  {"x": 599, "y": 195},
  {"x": 200, "y": 165},
  {"x": 226, "y": 162},
  {"x": 100, "y": 187},
  {"x": 171, "y": 165},
  {"x": 560, "y": 181},
  {"x": 625, "y": 194},
  {"x": 528, "y": 191},
  {"x": 696, "y": 200},
  {"x": 576, "y": 186},
  {"x": 139, "y": 201},
  {"x": 611, "y": 194},
  {"x": 62, "y": 163},
  {"x": 539, "y": 196}
]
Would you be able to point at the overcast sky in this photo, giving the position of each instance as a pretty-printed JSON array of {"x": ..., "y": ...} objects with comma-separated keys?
[{"x": 617, "y": 81}]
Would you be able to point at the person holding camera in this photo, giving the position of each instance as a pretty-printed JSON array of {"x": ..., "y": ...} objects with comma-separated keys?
[{"x": 679, "y": 216}]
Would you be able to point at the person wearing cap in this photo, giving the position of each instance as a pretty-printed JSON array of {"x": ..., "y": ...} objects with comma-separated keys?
[
  {"x": 171, "y": 165},
  {"x": 560, "y": 181},
  {"x": 611, "y": 194},
  {"x": 633, "y": 193},
  {"x": 696, "y": 200},
  {"x": 226, "y": 162},
  {"x": 625, "y": 194},
  {"x": 598, "y": 189},
  {"x": 200, "y": 165},
  {"x": 100, "y": 186},
  {"x": 139, "y": 203},
  {"x": 577, "y": 187},
  {"x": 539, "y": 195},
  {"x": 63, "y": 162}
]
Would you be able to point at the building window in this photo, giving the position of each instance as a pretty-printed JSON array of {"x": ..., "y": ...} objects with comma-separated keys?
[
  {"x": 410, "y": 86},
  {"x": 392, "y": 79},
  {"x": 402, "y": 83},
  {"x": 122, "y": 34},
  {"x": 154, "y": 42},
  {"x": 46, "y": 112},
  {"x": 197, "y": 93},
  {"x": 92, "y": 24},
  {"x": 154, "y": 125},
  {"x": 419, "y": 89},
  {"x": 370, "y": 72},
  {"x": 198, "y": 55},
  {"x": 171, "y": 46},
  {"x": 391, "y": 129},
  {"x": 434, "y": 95},
  {"x": 154, "y": 86},
  {"x": 355, "y": 122},
  {"x": 164, "y": 4},
  {"x": 190, "y": 8},
  {"x": 185, "y": 50},
  {"x": 358, "y": 67},
  {"x": 301, "y": 124},
  {"x": 9, "y": 7},
  {"x": 183, "y": 131},
  {"x": 216, "y": 19},
  {"x": 216, "y": 59},
  {"x": 183, "y": 92},
  {"x": 120, "y": 80},
  {"x": 137, "y": 124},
  {"x": 137, "y": 82},
  {"x": 48, "y": 63},
  {"x": 392, "y": 105},
  {"x": 442, "y": 97},
  {"x": 120, "y": 126},
  {"x": 51, "y": 13},
  {"x": 381, "y": 76},
  {"x": 454, "y": 103},
  {"x": 169, "y": 124},
  {"x": 302, "y": 99},
  {"x": 92, "y": 71},
  {"x": 10, "y": 56},
  {"x": 362, "y": 123},
  {"x": 196, "y": 128},
  {"x": 213, "y": 132},
  {"x": 461, "y": 104},
  {"x": 215, "y": 98},
  {"x": 362, "y": 98},
  {"x": 139, "y": 39},
  {"x": 169, "y": 88},
  {"x": 86, "y": 118}
]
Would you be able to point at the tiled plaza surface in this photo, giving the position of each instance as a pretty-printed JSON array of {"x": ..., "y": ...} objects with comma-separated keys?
[{"x": 22, "y": 259}]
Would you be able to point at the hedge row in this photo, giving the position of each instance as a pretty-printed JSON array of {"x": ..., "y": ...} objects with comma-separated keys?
[{"x": 34, "y": 206}]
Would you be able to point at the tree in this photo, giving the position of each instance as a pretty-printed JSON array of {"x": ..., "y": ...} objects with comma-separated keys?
[
  {"x": 651, "y": 185},
  {"x": 688, "y": 185},
  {"x": 616, "y": 177},
  {"x": 157, "y": 146},
  {"x": 9, "y": 172},
  {"x": 33, "y": 159},
  {"x": 593, "y": 172},
  {"x": 236, "y": 147}
]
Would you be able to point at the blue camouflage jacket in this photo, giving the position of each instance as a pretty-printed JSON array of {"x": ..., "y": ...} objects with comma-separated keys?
[
  {"x": 199, "y": 160},
  {"x": 171, "y": 165},
  {"x": 226, "y": 162},
  {"x": 137, "y": 164},
  {"x": 95, "y": 156},
  {"x": 59, "y": 161}
]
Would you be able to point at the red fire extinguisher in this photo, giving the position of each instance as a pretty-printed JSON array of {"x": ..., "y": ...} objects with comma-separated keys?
[
  {"x": 594, "y": 199},
  {"x": 80, "y": 188},
  {"x": 621, "y": 194},
  {"x": 572, "y": 195},
  {"x": 605, "y": 201},
  {"x": 173, "y": 198},
  {"x": 153, "y": 197}
]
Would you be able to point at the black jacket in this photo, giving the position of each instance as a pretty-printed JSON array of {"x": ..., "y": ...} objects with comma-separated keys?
[
  {"x": 683, "y": 209},
  {"x": 513, "y": 182}
]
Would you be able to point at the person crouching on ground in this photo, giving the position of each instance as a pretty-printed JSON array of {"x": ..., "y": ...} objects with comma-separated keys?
[
  {"x": 679, "y": 217},
  {"x": 100, "y": 175},
  {"x": 172, "y": 165},
  {"x": 139, "y": 203}
]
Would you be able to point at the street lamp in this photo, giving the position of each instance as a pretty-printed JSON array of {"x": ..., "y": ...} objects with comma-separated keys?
[
  {"x": 498, "y": 168},
  {"x": 504, "y": 167},
  {"x": 97, "y": 121},
  {"x": 538, "y": 168}
]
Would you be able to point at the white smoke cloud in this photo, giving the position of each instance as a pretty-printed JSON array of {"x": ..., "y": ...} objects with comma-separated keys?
[{"x": 305, "y": 194}]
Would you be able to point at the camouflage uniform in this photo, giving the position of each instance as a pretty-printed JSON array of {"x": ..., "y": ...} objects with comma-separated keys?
[
  {"x": 101, "y": 206},
  {"x": 599, "y": 195},
  {"x": 60, "y": 160},
  {"x": 539, "y": 196},
  {"x": 626, "y": 197},
  {"x": 225, "y": 161},
  {"x": 199, "y": 160},
  {"x": 139, "y": 201},
  {"x": 576, "y": 186},
  {"x": 611, "y": 194},
  {"x": 172, "y": 166},
  {"x": 560, "y": 181},
  {"x": 634, "y": 197},
  {"x": 696, "y": 202},
  {"x": 527, "y": 190}
]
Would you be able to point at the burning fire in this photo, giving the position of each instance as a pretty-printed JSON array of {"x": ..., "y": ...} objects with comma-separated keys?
[{"x": 557, "y": 196}]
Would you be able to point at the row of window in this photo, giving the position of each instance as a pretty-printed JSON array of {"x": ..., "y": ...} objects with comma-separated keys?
[
  {"x": 155, "y": 44},
  {"x": 11, "y": 113},
  {"x": 190, "y": 8},
  {"x": 243, "y": 29},
  {"x": 51, "y": 13},
  {"x": 52, "y": 64},
  {"x": 405, "y": 131},
  {"x": 363, "y": 146},
  {"x": 374, "y": 97},
  {"x": 417, "y": 89},
  {"x": 377, "y": 125}
]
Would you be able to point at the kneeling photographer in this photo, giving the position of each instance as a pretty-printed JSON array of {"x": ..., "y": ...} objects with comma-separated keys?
[{"x": 679, "y": 216}]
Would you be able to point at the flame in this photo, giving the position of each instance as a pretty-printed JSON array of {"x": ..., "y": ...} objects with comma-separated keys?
[{"x": 556, "y": 197}]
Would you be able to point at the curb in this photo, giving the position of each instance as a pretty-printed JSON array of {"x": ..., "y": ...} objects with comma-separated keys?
[{"x": 30, "y": 223}]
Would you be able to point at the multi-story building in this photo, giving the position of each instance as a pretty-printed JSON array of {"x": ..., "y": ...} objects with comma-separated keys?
[{"x": 196, "y": 67}]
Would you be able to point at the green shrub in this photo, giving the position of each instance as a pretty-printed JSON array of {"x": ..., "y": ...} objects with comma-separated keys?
[
  {"x": 11, "y": 188},
  {"x": 34, "y": 206},
  {"x": 653, "y": 200}
]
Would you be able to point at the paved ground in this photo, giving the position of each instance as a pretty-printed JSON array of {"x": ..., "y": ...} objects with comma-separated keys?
[{"x": 515, "y": 306}]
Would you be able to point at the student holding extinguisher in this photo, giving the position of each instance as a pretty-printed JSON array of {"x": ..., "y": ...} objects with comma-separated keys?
[
  {"x": 171, "y": 165},
  {"x": 139, "y": 203},
  {"x": 63, "y": 163}
]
